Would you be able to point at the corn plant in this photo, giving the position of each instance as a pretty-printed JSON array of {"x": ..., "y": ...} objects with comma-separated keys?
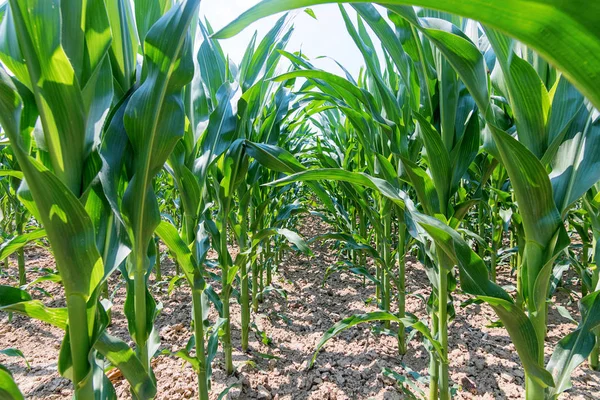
[
  {"x": 541, "y": 212},
  {"x": 68, "y": 82}
]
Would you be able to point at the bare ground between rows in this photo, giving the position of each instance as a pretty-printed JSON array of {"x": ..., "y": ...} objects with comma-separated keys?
[{"x": 483, "y": 362}]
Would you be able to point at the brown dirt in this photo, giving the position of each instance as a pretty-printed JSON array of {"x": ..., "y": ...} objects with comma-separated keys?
[{"x": 483, "y": 362}]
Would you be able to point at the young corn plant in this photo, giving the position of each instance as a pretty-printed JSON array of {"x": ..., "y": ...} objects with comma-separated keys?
[
  {"x": 61, "y": 82},
  {"x": 70, "y": 80}
]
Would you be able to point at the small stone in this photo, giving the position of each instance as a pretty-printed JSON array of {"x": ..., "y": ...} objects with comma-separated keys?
[
  {"x": 518, "y": 373},
  {"x": 391, "y": 395},
  {"x": 479, "y": 364},
  {"x": 317, "y": 381},
  {"x": 507, "y": 377},
  {"x": 468, "y": 385},
  {"x": 263, "y": 393},
  {"x": 272, "y": 364},
  {"x": 234, "y": 393}
]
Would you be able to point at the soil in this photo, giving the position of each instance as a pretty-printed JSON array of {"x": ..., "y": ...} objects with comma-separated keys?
[{"x": 483, "y": 362}]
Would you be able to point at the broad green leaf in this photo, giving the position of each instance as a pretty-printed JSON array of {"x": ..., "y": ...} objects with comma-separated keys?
[
  {"x": 147, "y": 13},
  {"x": 567, "y": 101},
  {"x": 8, "y": 388},
  {"x": 574, "y": 348},
  {"x": 261, "y": 54},
  {"x": 154, "y": 118},
  {"x": 213, "y": 66},
  {"x": 576, "y": 54},
  {"x": 474, "y": 280},
  {"x": 528, "y": 96},
  {"x": 393, "y": 46},
  {"x": 220, "y": 134},
  {"x": 532, "y": 187},
  {"x": 410, "y": 321},
  {"x": 68, "y": 226},
  {"x": 576, "y": 166},
  {"x": 18, "y": 242},
  {"x": 423, "y": 185},
  {"x": 357, "y": 178},
  {"x": 438, "y": 160},
  {"x": 183, "y": 255},
  {"x": 19, "y": 301},
  {"x": 123, "y": 358},
  {"x": 54, "y": 85},
  {"x": 291, "y": 236},
  {"x": 12, "y": 352},
  {"x": 124, "y": 44}
]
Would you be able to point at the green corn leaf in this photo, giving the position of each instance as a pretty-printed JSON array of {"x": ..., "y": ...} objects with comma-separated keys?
[
  {"x": 262, "y": 52},
  {"x": 123, "y": 357},
  {"x": 18, "y": 242},
  {"x": 68, "y": 226},
  {"x": 567, "y": 103},
  {"x": 532, "y": 187},
  {"x": 147, "y": 13},
  {"x": 574, "y": 348},
  {"x": 19, "y": 301},
  {"x": 183, "y": 255},
  {"x": 8, "y": 388},
  {"x": 124, "y": 44},
  {"x": 474, "y": 280},
  {"x": 12, "y": 352},
  {"x": 394, "y": 48},
  {"x": 14, "y": 174},
  {"x": 351, "y": 242},
  {"x": 423, "y": 185},
  {"x": 220, "y": 134},
  {"x": 213, "y": 66},
  {"x": 577, "y": 55},
  {"x": 280, "y": 160},
  {"x": 576, "y": 166},
  {"x": 115, "y": 350},
  {"x": 154, "y": 117},
  {"x": 357, "y": 178},
  {"x": 410, "y": 321},
  {"x": 529, "y": 98},
  {"x": 10, "y": 52},
  {"x": 292, "y": 237},
  {"x": 438, "y": 159},
  {"x": 59, "y": 99}
]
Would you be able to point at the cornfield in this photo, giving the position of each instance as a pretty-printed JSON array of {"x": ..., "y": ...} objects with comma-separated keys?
[{"x": 469, "y": 146}]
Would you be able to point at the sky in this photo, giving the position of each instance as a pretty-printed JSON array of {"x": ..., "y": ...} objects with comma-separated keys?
[{"x": 326, "y": 36}]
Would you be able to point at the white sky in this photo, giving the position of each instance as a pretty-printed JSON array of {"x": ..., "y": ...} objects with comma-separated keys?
[{"x": 326, "y": 36}]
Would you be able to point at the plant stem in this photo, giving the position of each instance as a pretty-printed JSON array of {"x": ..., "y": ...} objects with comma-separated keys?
[
  {"x": 387, "y": 257},
  {"x": 481, "y": 221},
  {"x": 21, "y": 264},
  {"x": 226, "y": 290},
  {"x": 401, "y": 287},
  {"x": 378, "y": 287},
  {"x": 21, "y": 252},
  {"x": 255, "y": 287},
  {"x": 80, "y": 346},
  {"x": 157, "y": 267},
  {"x": 244, "y": 293},
  {"x": 536, "y": 307},
  {"x": 433, "y": 363},
  {"x": 139, "y": 282},
  {"x": 444, "y": 267},
  {"x": 199, "y": 336},
  {"x": 270, "y": 263}
]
